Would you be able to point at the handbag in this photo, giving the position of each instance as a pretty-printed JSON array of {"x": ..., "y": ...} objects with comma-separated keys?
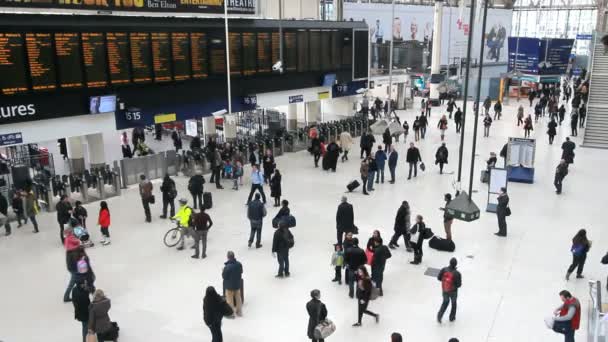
[
  {"x": 152, "y": 199},
  {"x": 422, "y": 166},
  {"x": 370, "y": 256},
  {"x": 508, "y": 211},
  {"x": 324, "y": 329},
  {"x": 375, "y": 293}
]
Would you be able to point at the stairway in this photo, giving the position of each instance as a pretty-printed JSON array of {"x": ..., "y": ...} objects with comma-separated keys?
[{"x": 596, "y": 127}]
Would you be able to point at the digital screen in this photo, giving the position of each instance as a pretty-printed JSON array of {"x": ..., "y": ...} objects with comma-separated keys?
[
  {"x": 347, "y": 49},
  {"x": 198, "y": 52},
  {"x": 249, "y": 54},
  {"x": 336, "y": 50},
  {"x": 235, "y": 41},
  {"x": 68, "y": 55},
  {"x": 12, "y": 64},
  {"x": 40, "y": 58},
  {"x": 315, "y": 50},
  {"x": 265, "y": 54},
  {"x": 290, "y": 54},
  {"x": 141, "y": 57},
  {"x": 181, "y": 55},
  {"x": 360, "y": 67},
  {"x": 161, "y": 56},
  {"x": 329, "y": 80},
  {"x": 102, "y": 104},
  {"x": 94, "y": 55},
  {"x": 118, "y": 57},
  {"x": 303, "y": 51},
  {"x": 276, "y": 53},
  {"x": 325, "y": 51},
  {"x": 217, "y": 55}
]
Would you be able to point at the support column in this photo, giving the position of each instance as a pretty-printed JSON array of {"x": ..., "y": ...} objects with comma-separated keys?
[
  {"x": 97, "y": 154},
  {"x": 436, "y": 77},
  {"x": 209, "y": 127},
  {"x": 313, "y": 112},
  {"x": 230, "y": 127},
  {"x": 292, "y": 117},
  {"x": 75, "y": 154}
]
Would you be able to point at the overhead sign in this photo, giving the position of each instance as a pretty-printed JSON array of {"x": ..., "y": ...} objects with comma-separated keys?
[
  {"x": 11, "y": 139},
  {"x": 539, "y": 56},
  {"x": 296, "y": 98},
  {"x": 323, "y": 95},
  {"x": 524, "y": 55},
  {"x": 166, "y": 6},
  {"x": 584, "y": 36},
  {"x": 250, "y": 100},
  {"x": 164, "y": 118}
]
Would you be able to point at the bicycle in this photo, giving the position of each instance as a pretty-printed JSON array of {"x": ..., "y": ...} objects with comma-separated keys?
[{"x": 174, "y": 235}]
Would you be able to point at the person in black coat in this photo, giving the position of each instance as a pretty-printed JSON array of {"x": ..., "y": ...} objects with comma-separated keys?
[
  {"x": 582, "y": 112},
  {"x": 315, "y": 149},
  {"x": 413, "y": 157},
  {"x": 502, "y": 209},
  {"x": 345, "y": 219},
  {"x": 275, "y": 188},
  {"x": 441, "y": 157},
  {"x": 387, "y": 139},
  {"x": 366, "y": 143},
  {"x": 381, "y": 254},
  {"x": 177, "y": 140},
  {"x": 562, "y": 114},
  {"x": 560, "y": 173},
  {"x": 4, "y": 212},
  {"x": 551, "y": 130},
  {"x": 281, "y": 243},
  {"x": 214, "y": 309},
  {"x": 17, "y": 204},
  {"x": 568, "y": 151},
  {"x": 364, "y": 292},
  {"x": 574, "y": 123},
  {"x": 169, "y": 192},
  {"x": 284, "y": 212},
  {"x": 458, "y": 119},
  {"x": 332, "y": 154},
  {"x": 393, "y": 157},
  {"x": 417, "y": 235},
  {"x": 317, "y": 313},
  {"x": 81, "y": 301},
  {"x": 423, "y": 122},
  {"x": 196, "y": 187},
  {"x": 269, "y": 165},
  {"x": 401, "y": 227},
  {"x": 354, "y": 257},
  {"x": 64, "y": 213}
]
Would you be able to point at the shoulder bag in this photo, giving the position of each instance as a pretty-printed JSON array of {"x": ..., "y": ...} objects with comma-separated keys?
[{"x": 325, "y": 328}]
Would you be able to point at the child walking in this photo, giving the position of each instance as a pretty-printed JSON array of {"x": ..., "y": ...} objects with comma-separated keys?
[
  {"x": 337, "y": 260},
  {"x": 104, "y": 222}
]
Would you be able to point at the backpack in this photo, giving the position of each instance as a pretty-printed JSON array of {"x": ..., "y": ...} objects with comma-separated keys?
[
  {"x": 447, "y": 281},
  {"x": 289, "y": 239},
  {"x": 172, "y": 191}
]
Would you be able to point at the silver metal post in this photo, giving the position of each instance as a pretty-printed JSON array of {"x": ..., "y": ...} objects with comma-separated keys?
[
  {"x": 227, "y": 57},
  {"x": 390, "y": 61}
]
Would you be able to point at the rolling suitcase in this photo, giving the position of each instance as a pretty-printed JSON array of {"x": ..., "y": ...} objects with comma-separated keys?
[
  {"x": 352, "y": 185},
  {"x": 443, "y": 245},
  {"x": 207, "y": 200}
]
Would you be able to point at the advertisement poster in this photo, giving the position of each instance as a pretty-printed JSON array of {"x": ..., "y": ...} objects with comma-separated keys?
[{"x": 192, "y": 128}]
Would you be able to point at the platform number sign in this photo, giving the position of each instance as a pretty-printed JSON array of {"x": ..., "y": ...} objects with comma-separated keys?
[{"x": 133, "y": 114}]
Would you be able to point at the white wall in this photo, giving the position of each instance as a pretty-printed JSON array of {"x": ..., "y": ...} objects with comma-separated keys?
[
  {"x": 298, "y": 9},
  {"x": 338, "y": 108},
  {"x": 281, "y": 98}
]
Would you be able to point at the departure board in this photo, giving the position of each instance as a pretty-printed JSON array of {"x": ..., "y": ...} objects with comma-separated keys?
[
  {"x": 303, "y": 51},
  {"x": 181, "y": 55},
  {"x": 325, "y": 52},
  {"x": 161, "y": 56},
  {"x": 118, "y": 57},
  {"x": 265, "y": 55},
  {"x": 141, "y": 57},
  {"x": 68, "y": 55},
  {"x": 276, "y": 53},
  {"x": 315, "y": 50},
  {"x": 249, "y": 54},
  {"x": 217, "y": 56},
  {"x": 336, "y": 50},
  {"x": 290, "y": 54},
  {"x": 40, "y": 58},
  {"x": 198, "y": 54},
  {"x": 12, "y": 64},
  {"x": 236, "y": 51},
  {"x": 347, "y": 50},
  {"x": 94, "y": 56}
]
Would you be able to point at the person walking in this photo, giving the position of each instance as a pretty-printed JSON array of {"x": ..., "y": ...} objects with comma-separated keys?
[
  {"x": 275, "y": 187},
  {"x": 580, "y": 247},
  {"x": 269, "y": 165},
  {"x": 416, "y": 239},
  {"x": 487, "y": 104},
  {"x": 387, "y": 139},
  {"x": 31, "y": 208},
  {"x": 551, "y": 130},
  {"x": 531, "y": 96},
  {"x": 214, "y": 309},
  {"x": 442, "y": 125},
  {"x": 346, "y": 141},
  {"x": 81, "y": 302},
  {"x": 560, "y": 173},
  {"x": 520, "y": 115},
  {"x": 413, "y": 157},
  {"x": 497, "y": 110},
  {"x": 354, "y": 258},
  {"x": 257, "y": 180},
  {"x": 282, "y": 241},
  {"x": 451, "y": 281},
  {"x": 99, "y": 320},
  {"x": 367, "y": 143},
  {"x": 147, "y": 198},
  {"x": 372, "y": 169},
  {"x": 196, "y": 186},
  {"x": 502, "y": 211},
  {"x": 345, "y": 219},
  {"x": 441, "y": 157},
  {"x": 528, "y": 126},
  {"x": 201, "y": 223},
  {"x": 330, "y": 159},
  {"x": 568, "y": 151},
  {"x": 380, "y": 160},
  {"x": 450, "y": 109},
  {"x": 562, "y": 114},
  {"x": 64, "y": 213},
  {"x": 317, "y": 313},
  {"x": 381, "y": 254},
  {"x": 406, "y": 130},
  {"x": 401, "y": 227},
  {"x": 487, "y": 122},
  {"x": 364, "y": 292},
  {"x": 393, "y": 157},
  {"x": 169, "y": 192},
  {"x": 17, "y": 204},
  {"x": 233, "y": 281},
  {"x": 256, "y": 211},
  {"x": 582, "y": 112},
  {"x": 177, "y": 140},
  {"x": 448, "y": 218},
  {"x": 104, "y": 222},
  {"x": 458, "y": 119},
  {"x": 416, "y": 128},
  {"x": 574, "y": 123},
  {"x": 315, "y": 149},
  {"x": 568, "y": 316},
  {"x": 364, "y": 172},
  {"x": 423, "y": 121}
]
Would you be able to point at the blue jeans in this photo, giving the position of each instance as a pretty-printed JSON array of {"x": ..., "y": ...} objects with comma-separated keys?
[
  {"x": 256, "y": 231},
  {"x": 68, "y": 290},
  {"x": 350, "y": 279},
  {"x": 283, "y": 259},
  {"x": 380, "y": 174},
  {"x": 370, "y": 180}
]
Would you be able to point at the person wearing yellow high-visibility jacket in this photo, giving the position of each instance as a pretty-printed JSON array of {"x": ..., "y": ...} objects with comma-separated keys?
[{"x": 183, "y": 218}]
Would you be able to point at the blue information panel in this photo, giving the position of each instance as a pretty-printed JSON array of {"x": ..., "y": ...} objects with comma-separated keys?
[
  {"x": 554, "y": 56},
  {"x": 535, "y": 56},
  {"x": 11, "y": 139},
  {"x": 524, "y": 55}
]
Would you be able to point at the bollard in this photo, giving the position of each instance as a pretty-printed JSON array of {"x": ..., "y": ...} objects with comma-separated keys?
[
  {"x": 84, "y": 191},
  {"x": 116, "y": 184},
  {"x": 101, "y": 188}
]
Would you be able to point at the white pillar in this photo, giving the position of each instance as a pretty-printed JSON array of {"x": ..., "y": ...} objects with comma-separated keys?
[
  {"x": 97, "y": 155},
  {"x": 75, "y": 154},
  {"x": 436, "y": 53},
  {"x": 209, "y": 126},
  {"x": 292, "y": 116}
]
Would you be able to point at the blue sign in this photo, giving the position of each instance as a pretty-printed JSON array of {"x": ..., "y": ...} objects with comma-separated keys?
[
  {"x": 296, "y": 98},
  {"x": 250, "y": 100},
  {"x": 554, "y": 56},
  {"x": 11, "y": 139},
  {"x": 348, "y": 89},
  {"x": 524, "y": 55},
  {"x": 584, "y": 36},
  {"x": 535, "y": 56}
]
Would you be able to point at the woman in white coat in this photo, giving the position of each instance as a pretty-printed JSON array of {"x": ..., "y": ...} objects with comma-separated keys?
[{"x": 346, "y": 141}]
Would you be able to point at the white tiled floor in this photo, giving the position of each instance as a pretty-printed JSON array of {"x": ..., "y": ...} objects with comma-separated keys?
[{"x": 509, "y": 285}]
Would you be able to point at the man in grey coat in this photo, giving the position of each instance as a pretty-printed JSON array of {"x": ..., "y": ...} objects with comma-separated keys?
[{"x": 256, "y": 211}]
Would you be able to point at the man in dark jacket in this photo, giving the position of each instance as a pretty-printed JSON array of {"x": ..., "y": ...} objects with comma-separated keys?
[
  {"x": 232, "y": 276},
  {"x": 560, "y": 173},
  {"x": 332, "y": 154},
  {"x": 196, "y": 188},
  {"x": 413, "y": 157},
  {"x": 345, "y": 219},
  {"x": 502, "y": 209},
  {"x": 354, "y": 257},
  {"x": 402, "y": 227},
  {"x": 282, "y": 241},
  {"x": 441, "y": 157},
  {"x": 201, "y": 223},
  {"x": 4, "y": 214},
  {"x": 169, "y": 193},
  {"x": 366, "y": 143},
  {"x": 64, "y": 213},
  {"x": 458, "y": 120},
  {"x": 317, "y": 312},
  {"x": 145, "y": 192},
  {"x": 451, "y": 281},
  {"x": 423, "y": 122},
  {"x": 568, "y": 151},
  {"x": 380, "y": 160},
  {"x": 256, "y": 211},
  {"x": 381, "y": 254},
  {"x": 393, "y": 157}
]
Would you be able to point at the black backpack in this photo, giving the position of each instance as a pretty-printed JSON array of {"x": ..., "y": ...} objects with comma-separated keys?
[{"x": 289, "y": 239}]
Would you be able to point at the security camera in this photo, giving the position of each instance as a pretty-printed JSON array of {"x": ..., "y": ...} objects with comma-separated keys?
[
  {"x": 219, "y": 112},
  {"x": 278, "y": 66}
]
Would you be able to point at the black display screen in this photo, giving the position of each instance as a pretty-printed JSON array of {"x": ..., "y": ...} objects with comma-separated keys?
[
  {"x": 198, "y": 52},
  {"x": 40, "y": 58},
  {"x": 336, "y": 50},
  {"x": 347, "y": 49},
  {"x": 303, "y": 51},
  {"x": 315, "y": 50},
  {"x": 180, "y": 51},
  {"x": 290, "y": 53},
  {"x": 236, "y": 51},
  {"x": 141, "y": 57},
  {"x": 217, "y": 55},
  {"x": 360, "y": 67},
  {"x": 118, "y": 57},
  {"x": 264, "y": 52},
  {"x": 161, "y": 56},
  {"x": 326, "y": 51},
  {"x": 12, "y": 64},
  {"x": 249, "y": 53},
  {"x": 94, "y": 56},
  {"x": 68, "y": 55}
]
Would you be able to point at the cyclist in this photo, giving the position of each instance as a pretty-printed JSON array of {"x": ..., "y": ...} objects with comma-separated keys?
[{"x": 183, "y": 220}]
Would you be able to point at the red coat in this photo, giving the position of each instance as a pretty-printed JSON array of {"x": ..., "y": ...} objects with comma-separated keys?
[
  {"x": 71, "y": 242},
  {"x": 104, "y": 218},
  {"x": 576, "y": 320}
]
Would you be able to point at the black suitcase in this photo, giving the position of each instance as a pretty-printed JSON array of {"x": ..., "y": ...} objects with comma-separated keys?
[
  {"x": 443, "y": 245},
  {"x": 352, "y": 185},
  {"x": 207, "y": 200}
]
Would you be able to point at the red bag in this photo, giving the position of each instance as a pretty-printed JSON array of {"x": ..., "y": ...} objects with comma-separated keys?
[{"x": 370, "y": 256}]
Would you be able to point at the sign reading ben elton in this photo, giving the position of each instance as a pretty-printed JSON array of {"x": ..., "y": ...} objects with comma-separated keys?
[{"x": 184, "y": 6}]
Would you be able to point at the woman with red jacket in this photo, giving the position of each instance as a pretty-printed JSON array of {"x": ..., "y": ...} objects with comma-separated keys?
[
  {"x": 104, "y": 222},
  {"x": 568, "y": 318}
]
